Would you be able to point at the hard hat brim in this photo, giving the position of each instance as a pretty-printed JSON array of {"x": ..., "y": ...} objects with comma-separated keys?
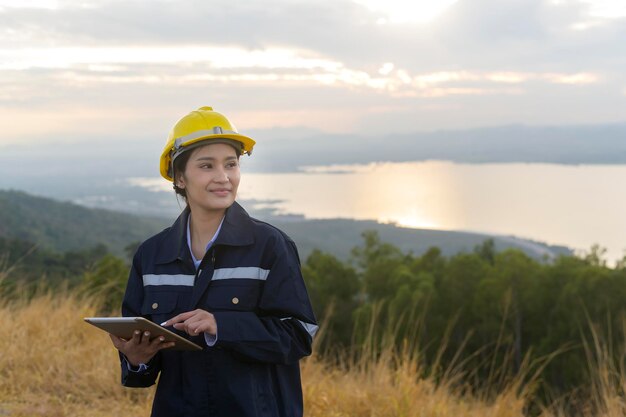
[{"x": 166, "y": 157}]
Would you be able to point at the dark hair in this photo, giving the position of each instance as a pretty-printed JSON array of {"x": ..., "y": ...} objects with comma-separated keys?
[{"x": 180, "y": 163}]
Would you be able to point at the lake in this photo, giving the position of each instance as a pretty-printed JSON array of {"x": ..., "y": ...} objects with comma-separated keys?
[{"x": 575, "y": 206}]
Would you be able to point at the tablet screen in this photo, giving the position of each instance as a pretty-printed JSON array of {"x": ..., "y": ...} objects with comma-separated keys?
[{"x": 125, "y": 326}]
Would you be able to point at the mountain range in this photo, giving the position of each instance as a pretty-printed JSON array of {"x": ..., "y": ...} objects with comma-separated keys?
[{"x": 64, "y": 226}]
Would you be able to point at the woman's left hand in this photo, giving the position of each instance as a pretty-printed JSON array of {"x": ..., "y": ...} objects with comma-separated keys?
[{"x": 194, "y": 322}]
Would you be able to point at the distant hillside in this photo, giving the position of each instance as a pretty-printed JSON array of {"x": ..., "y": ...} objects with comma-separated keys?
[
  {"x": 594, "y": 144},
  {"x": 64, "y": 226},
  {"x": 339, "y": 236},
  {"x": 286, "y": 150}
]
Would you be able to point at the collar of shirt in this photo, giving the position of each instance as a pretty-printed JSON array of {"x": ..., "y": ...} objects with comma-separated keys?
[{"x": 196, "y": 262}]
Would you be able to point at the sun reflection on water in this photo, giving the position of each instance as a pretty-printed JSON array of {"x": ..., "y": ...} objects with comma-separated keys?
[{"x": 556, "y": 204}]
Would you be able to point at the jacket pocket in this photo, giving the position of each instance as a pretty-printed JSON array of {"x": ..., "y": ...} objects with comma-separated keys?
[
  {"x": 237, "y": 296},
  {"x": 159, "y": 306}
]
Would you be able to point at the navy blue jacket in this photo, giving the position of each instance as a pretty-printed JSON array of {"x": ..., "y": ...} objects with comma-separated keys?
[{"x": 250, "y": 280}]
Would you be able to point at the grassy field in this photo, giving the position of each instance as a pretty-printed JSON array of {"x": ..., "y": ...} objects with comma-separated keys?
[{"x": 53, "y": 364}]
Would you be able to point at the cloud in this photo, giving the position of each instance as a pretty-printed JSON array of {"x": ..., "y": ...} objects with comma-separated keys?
[
  {"x": 479, "y": 62},
  {"x": 472, "y": 34},
  {"x": 195, "y": 65}
]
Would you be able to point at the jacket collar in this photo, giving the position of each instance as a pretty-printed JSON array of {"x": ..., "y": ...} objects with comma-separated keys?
[{"x": 236, "y": 231}]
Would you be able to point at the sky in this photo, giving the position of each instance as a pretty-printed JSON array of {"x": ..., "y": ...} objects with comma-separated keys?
[{"x": 75, "y": 70}]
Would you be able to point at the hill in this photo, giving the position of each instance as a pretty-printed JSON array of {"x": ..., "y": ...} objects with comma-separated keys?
[
  {"x": 287, "y": 150},
  {"x": 339, "y": 236},
  {"x": 62, "y": 226},
  {"x": 594, "y": 144}
]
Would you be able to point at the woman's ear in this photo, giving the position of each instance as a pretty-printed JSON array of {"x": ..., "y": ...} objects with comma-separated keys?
[{"x": 180, "y": 181}]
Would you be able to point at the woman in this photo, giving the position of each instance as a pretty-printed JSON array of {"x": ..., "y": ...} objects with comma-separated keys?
[{"x": 231, "y": 283}]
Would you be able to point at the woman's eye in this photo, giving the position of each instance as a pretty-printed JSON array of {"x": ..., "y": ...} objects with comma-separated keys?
[{"x": 206, "y": 166}]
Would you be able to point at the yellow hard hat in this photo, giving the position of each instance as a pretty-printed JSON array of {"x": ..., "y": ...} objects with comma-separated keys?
[{"x": 200, "y": 125}]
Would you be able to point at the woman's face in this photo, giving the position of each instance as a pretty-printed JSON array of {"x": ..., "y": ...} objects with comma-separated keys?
[{"x": 211, "y": 177}]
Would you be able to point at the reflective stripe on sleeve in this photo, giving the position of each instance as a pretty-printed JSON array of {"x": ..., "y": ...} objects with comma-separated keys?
[{"x": 310, "y": 328}]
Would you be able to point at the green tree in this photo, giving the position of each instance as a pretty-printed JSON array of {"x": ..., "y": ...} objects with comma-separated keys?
[
  {"x": 107, "y": 279},
  {"x": 333, "y": 288},
  {"x": 487, "y": 251}
]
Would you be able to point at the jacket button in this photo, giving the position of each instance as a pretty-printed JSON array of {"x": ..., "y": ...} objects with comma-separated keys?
[
  {"x": 155, "y": 306},
  {"x": 235, "y": 300}
]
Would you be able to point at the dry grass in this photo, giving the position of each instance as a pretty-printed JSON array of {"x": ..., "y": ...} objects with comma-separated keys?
[{"x": 53, "y": 364}]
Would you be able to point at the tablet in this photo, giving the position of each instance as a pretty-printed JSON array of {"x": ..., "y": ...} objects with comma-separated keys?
[{"x": 125, "y": 326}]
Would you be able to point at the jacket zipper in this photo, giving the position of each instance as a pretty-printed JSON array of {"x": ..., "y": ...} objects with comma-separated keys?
[{"x": 199, "y": 271}]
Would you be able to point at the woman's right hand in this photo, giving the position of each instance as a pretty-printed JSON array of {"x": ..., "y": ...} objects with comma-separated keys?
[{"x": 140, "y": 349}]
